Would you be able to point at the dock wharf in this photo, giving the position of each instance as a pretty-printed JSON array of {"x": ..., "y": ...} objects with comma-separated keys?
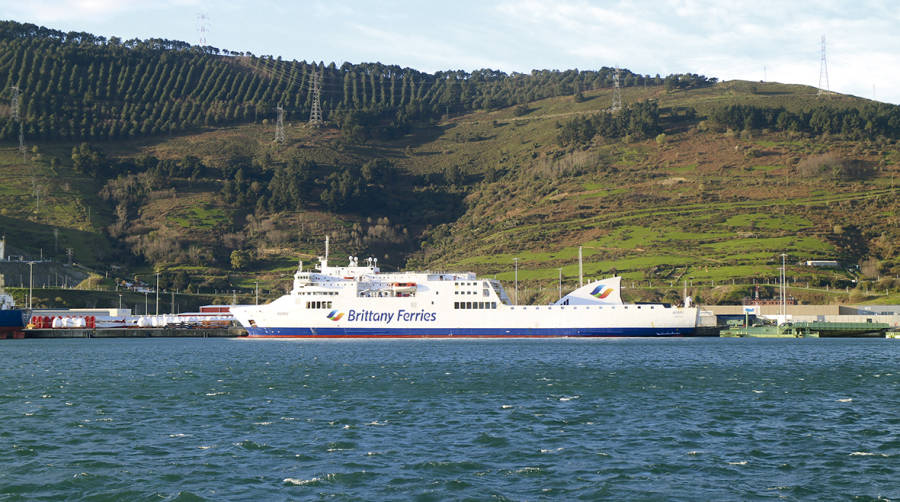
[{"x": 231, "y": 332}]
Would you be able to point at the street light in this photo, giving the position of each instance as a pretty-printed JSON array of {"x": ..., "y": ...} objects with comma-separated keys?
[
  {"x": 120, "y": 301},
  {"x": 783, "y": 289},
  {"x": 516, "y": 261},
  {"x": 560, "y": 283},
  {"x": 157, "y": 293},
  {"x": 30, "y": 284}
]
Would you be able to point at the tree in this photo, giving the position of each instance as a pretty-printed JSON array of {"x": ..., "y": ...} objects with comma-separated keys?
[
  {"x": 578, "y": 96},
  {"x": 240, "y": 259},
  {"x": 89, "y": 160}
]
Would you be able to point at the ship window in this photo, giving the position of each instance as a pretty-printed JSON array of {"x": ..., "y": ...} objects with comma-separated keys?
[
  {"x": 484, "y": 292},
  {"x": 468, "y": 305},
  {"x": 493, "y": 305},
  {"x": 456, "y": 305}
]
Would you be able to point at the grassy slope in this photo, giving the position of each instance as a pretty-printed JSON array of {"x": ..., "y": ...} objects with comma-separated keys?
[
  {"x": 707, "y": 206},
  {"x": 699, "y": 206}
]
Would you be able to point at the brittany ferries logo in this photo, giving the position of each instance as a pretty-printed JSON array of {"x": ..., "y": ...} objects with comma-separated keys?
[
  {"x": 601, "y": 291},
  {"x": 334, "y": 315}
]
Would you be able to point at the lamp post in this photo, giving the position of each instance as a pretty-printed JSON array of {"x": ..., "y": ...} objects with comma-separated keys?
[
  {"x": 783, "y": 290},
  {"x": 157, "y": 293},
  {"x": 30, "y": 284},
  {"x": 516, "y": 261},
  {"x": 120, "y": 301}
]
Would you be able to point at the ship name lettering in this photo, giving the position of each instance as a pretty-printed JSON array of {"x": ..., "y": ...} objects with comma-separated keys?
[{"x": 416, "y": 316}]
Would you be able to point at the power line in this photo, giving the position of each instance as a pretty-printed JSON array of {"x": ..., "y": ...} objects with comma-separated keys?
[
  {"x": 202, "y": 27},
  {"x": 14, "y": 106},
  {"x": 315, "y": 111},
  {"x": 823, "y": 72},
  {"x": 16, "y": 116},
  {"x": 279, "y": 126},
  {"x": 617, "y": 93}
]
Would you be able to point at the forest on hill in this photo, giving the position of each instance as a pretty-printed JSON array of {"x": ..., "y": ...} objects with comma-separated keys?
[{"x": 159, "y": 155}]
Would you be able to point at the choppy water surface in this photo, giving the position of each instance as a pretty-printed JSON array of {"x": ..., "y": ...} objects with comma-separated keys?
[{"x": 684, "y": 419}]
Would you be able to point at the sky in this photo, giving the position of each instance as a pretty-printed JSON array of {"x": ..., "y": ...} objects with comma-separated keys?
[{"x": 735, "y": 39}]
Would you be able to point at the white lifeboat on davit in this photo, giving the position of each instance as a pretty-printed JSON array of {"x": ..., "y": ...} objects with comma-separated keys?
[{"x": 403, "y": 288}]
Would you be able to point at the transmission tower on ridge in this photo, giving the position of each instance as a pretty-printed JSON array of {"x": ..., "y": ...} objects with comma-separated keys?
[
  {"x": 315, "y": 111},
  {"x": 617, "y": 93},
  {"x": 202, "y": 27},
  {"x": 15, "y": 109},
  {"x": 279, "y": 126},
  {"x": 823, "y": 72}
]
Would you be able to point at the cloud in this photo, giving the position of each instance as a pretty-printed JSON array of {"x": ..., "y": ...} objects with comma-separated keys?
[
  {"x": 51, "y": 11},
  {"x": 732, "y": 40},
  {"x": 430, "y": 54}
]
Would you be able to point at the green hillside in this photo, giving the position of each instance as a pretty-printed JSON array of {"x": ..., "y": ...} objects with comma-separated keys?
[{"x": 693, "y": 181}]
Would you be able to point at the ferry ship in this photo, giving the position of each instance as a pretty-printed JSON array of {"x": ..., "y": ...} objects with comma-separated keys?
[
  {"x": 12, "y": 319},
  {"x": 359, "y": 301}
]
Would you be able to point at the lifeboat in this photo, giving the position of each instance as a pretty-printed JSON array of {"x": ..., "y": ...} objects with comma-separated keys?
[{"x": 403, "y": 288}]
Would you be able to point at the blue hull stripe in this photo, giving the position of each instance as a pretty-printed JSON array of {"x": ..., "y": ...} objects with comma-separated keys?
[
  {"x": 468, "y": 332},
  {"x": 12, "y": 318}
]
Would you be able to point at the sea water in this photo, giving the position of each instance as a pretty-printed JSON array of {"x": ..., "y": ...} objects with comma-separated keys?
[{"x": 617, "y": 419}]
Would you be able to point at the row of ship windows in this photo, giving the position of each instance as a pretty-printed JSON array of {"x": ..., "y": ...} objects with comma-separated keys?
[
  {"x": 484, "y": 292},
  {"x": 318, "y": 305},
  {"x": 474, "y": 305},
  {"x": 318, "y": 292}
]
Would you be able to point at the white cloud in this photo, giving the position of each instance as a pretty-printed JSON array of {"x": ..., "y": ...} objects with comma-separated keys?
[
  {"x": 429, "y": 54},
  {"x": 724, "y": 39},
  {"x": 50, "y": 11}
]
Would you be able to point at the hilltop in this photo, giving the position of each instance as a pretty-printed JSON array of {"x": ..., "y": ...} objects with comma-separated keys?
[{"x": 158, "y": 155}]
